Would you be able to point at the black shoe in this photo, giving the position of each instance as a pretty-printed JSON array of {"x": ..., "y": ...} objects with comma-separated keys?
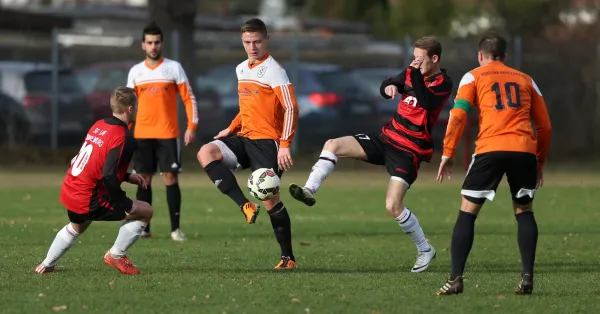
[
  {"x": 526, "y": 285},
  {"x": 302, "y": 194},
  {"x": 451, "y": 287}
]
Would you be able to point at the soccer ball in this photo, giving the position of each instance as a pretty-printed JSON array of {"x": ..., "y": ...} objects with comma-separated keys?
[{"x": 263, "y": 184}]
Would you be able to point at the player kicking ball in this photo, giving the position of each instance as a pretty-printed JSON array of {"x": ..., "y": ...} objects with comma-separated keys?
[
  {"x": 400, "y": 145},
  {"x": 91, "y": 190}
]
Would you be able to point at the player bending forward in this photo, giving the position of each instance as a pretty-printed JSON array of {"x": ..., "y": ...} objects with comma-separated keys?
[
  {"x": 91, "y": 190},
  {"x": 506, "y": 99},
  {"x": 265, "y": 128},
  {"x": 401, "y": 144}
]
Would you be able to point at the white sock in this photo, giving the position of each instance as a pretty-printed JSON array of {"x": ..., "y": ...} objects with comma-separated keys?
[
  {"x": 321, "y": 170},
  {"x": 410, "y": 224},
  {"x": 63, "y": 241},
  {"x": 130, "y": 231}
]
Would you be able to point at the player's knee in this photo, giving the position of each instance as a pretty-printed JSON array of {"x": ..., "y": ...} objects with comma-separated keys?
[
  {"x": 270, "y": 204},
  {"x": 209, "y": 153},
  {"x": 394, "y": 206},
  {"x": 522, "y": 205},
  {"x": 170, "y": 178},
  {"x": 143, "y": 210},
  {"x": 331, "y": 145}
]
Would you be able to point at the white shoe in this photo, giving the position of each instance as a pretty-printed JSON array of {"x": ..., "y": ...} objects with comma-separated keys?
[
  {"x": 423, "y": 260},
  {"x": 178, "y": 236}
]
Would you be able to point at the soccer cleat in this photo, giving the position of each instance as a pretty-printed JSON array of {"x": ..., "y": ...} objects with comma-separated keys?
[
  {"x": 286, "y": 263},
  {"x": 178, "y": 236},
  {"x": 43, "y": 269},
  {"x": 302, "y": 194},
  {"x": 146, "y": 234},
  {"x": 423, "y": 260},
  {"x": 123, "y": 264},
  {"x": 250, "y": 211},
  {"x": 526, "y": 285},
  {"x": 451, "y": 287}
]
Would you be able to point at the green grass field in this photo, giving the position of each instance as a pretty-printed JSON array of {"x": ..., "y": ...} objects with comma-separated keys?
[{"x": 352, "y": 257}]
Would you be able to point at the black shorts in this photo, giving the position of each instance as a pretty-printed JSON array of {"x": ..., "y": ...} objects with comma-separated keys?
[
  {"x": 400, "y": 164},
  {"x": 486, "y": 172},
  {"x": 150, "y": 153},
  {"x": 98, "y": 214},
  {"x": 246, "y": 153}
]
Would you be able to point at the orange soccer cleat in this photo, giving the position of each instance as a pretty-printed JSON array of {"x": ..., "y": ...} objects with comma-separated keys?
[
  {"x": 43, "y": 269},
  {"x": 123, "y": 264},
  {"x": 286, "y": 263},
  {"x": 250, "y": 210}
]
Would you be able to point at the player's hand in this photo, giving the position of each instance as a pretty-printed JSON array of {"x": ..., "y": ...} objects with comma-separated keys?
[
  {"x": 189, "y": 137},
  {"x": 222, "y": 134},
  {"x": 284, "y": 159},
  {"x": 445, "y": 169},
  {"x": 416, "y": 63},
  {"x": 137, "y": 179},
  {"x": 540, "y": 179},
  {"x": 392, "y": 91}
]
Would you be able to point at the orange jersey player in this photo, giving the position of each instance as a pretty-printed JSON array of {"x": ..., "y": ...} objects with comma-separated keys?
[
  {"x": 507, "y": 101},
  {"x": 157, "y": 81},
  {"x": 260, "y": 135}
]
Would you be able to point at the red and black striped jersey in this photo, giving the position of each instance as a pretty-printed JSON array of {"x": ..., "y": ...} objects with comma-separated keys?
[
  {"x": 96, "y": 173},
  {"x": 423, "y": 99}
]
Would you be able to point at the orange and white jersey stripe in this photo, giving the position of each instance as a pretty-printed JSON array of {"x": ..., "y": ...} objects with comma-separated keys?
[
  {"x": 268, "y": 107},
  {"x": 156, "y": 87}
]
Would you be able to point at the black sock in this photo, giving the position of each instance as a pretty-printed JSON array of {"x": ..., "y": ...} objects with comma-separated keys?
[
  {"x": 462, "y": 241},
  {"x": 224, "y": 179},
  {"x": 282, "y": 227},
  {"x": 174, "y": 203},
  {"x": 145, "y": 195},
  {"x": 527, "y": 236}
]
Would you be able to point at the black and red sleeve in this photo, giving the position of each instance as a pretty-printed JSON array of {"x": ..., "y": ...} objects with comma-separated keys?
[
  {"x": 117, "y": 158},
  {"x": 397, "y": 81},
  {"x": 433, "y": 93}
]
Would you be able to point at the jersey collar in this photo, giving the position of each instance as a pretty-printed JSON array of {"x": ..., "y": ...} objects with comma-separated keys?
[
  {"x": 261, "y": 60},
  {"x": 152, "y": 67}
]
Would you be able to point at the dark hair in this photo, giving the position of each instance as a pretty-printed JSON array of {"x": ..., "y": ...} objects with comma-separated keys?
[
  {"x": 431, "y": 44},
  {"x": 255, "y": 26},
  {"x": 493, "y": 45},
  {"x": 152, "y": 29}
]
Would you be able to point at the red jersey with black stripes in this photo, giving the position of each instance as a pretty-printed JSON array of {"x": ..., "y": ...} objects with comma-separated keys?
[
  {"x": 96, "y": 173},
  {"x": 423, "y": 99}
]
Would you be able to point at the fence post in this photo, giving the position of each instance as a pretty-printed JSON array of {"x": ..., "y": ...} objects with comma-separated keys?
[
  {"x": 518, "y": 52},
  {"x": 55, "y": 91},
  {"x": 407, "y": 50}
]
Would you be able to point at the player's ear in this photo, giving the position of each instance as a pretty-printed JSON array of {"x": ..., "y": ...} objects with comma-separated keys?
[{"x": 435, "y": 58}]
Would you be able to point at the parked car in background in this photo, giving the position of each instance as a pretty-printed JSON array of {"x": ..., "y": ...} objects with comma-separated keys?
[
  {"x": 30, "y": 84},
  {"x": 100, "y": 79},
  {"x": 330, "y": 102},
  {"x": 371, "y": 78},
  {"x": 14, "y": 124}
]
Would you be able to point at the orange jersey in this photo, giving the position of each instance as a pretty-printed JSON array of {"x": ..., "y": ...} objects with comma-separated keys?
[
  {"x": 507, "y": 101},
  {"x": 156, "y": 88},
  {"x": 268, "y": 108}
]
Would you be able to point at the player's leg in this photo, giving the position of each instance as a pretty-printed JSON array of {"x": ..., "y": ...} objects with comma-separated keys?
[
  {"x": 219, "y": 159},
  {"x": 263, "y": 154},
  {"x": 521, "y": 175},
  {"x": 144, "y": 164},
  {"x": 131, "y": 229},
  {"x": 342, "y": 147},
  {"x": 64, "y": 240},
  {"x": 169, "y": 163},
  {"x": 403, "y": 168},
  {"x": 482, "y": 180}
]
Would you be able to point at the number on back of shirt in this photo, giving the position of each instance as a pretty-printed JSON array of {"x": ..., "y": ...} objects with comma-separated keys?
[{"x": 78, "y": 162}]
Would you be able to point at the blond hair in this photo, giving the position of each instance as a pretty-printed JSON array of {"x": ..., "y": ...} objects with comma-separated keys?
[{"x": 121, "y": 99}]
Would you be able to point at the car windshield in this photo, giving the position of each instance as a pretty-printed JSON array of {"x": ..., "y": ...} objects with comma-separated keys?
[{"x": 41, "y": 82}]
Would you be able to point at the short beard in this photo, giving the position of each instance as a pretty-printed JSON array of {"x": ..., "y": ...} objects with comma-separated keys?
[{"x": 158, "y": 56}]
